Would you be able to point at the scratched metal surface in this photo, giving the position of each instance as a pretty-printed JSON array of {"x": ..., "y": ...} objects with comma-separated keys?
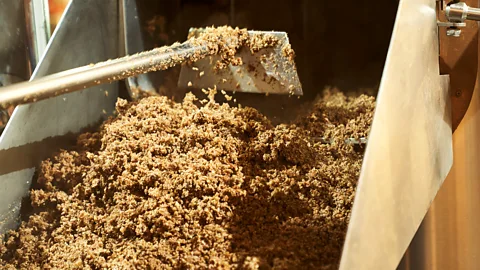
[
  {"x": 409, "y": 150},
  {"x": 87, "y": 33}
]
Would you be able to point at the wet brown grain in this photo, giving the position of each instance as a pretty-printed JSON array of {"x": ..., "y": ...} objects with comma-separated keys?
[{"x": 169, "y": 185}]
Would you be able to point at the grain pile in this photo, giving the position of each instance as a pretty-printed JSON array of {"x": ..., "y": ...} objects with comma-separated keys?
[{"x": 167, "y": 185}]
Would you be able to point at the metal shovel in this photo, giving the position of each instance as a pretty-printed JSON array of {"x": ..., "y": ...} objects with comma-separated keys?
[{"x": 267, "y": 71}]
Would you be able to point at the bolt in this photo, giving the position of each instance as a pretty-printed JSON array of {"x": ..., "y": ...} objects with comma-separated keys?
[
  {"x": 454, "y": 32},
  {"x": 458, "y": 93}
]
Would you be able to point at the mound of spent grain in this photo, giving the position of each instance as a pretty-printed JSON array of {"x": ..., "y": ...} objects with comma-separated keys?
[{"x": 167, "y": 185}]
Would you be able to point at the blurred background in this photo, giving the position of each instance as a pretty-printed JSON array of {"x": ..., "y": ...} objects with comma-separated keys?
[{"x": 56, "y": 8}]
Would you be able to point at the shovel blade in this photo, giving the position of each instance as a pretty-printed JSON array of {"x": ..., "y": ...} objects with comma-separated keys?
[{"x": 271, "y": 70}]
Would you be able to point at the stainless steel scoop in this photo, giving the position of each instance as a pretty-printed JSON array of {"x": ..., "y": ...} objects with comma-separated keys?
[
  {"x": 266, "y": 71},
  {"x": 270, "y": 70}
]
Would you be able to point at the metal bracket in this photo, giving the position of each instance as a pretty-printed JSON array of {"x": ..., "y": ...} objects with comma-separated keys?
[
  {"x": 458, "y": 56},
  {"x": 452, "y": 27},
  {"x": 456, "y": 14}
]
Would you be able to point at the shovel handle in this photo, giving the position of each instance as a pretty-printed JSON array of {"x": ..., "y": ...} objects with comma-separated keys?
[{"x": 104, "y": 72}]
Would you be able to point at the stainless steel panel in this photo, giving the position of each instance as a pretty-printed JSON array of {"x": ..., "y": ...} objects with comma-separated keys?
[
  {"x": 14, "y": 59},
  {"x": 449, "y": 236},
  {"x": 87, "y": 33},
  {"x": 137, "y": 41},
  {"x": 409, "y": 149},
  {"x": 38, "y": 29}
]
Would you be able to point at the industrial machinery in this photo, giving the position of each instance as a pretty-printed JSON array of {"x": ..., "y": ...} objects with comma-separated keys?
[
  {"x": 447, "y": 237},
  {"x": 423, "y": 132}
]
